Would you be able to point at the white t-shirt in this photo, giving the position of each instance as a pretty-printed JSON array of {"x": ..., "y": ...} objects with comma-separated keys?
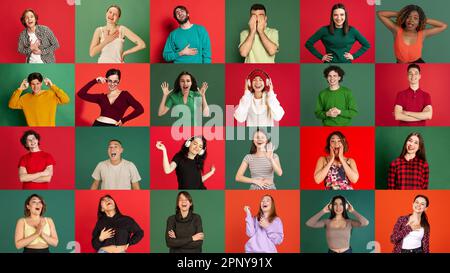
[
  {"x": 413, "y": 240},
  {"x": 116, "y": 177},
  {"x": 34, "y": 58}
]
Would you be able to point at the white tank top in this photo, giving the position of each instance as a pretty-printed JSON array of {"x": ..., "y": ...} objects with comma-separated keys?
[
  {"x": 112, "y": 51},
  {"x": 413, "y": 240}
]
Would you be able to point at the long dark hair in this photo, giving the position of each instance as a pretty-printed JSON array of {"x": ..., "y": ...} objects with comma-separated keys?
[
  {"x": 331, "y": 26},
  {"x": 253, "y": 148},
  {"x": 100, "y": 213},
  {"x": 177, "y": 87},
  {"x": 344, "y": 204},
  {"x": 404, "y": 13},
  {"x": 189, "y": 197},
  {"x": 420, "y": 152},
  {"x": 343, "y": 141},
  {"x": 199, "y": 159},
  {"x": 424, "y": 218},
  {"x": 27, "y": 212},
  {"x": 273, "y": 211}
]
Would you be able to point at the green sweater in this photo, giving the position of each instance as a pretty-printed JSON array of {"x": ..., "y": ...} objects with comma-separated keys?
[
  {"x": 337, "y": 43},
  {"x": 342, "y": 99}
]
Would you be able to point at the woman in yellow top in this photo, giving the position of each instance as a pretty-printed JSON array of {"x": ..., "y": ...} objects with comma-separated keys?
[{"x": 35, "y": 233}]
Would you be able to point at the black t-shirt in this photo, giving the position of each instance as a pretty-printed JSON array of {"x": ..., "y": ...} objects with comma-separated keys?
[{"x": 188, "y": 174}]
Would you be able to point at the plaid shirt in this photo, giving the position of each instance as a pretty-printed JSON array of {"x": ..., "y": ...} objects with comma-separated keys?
[
  {"x": 48, "y": 41},
  {"x": 408, "y": 175},
  {"x": 401, "y": 230}
]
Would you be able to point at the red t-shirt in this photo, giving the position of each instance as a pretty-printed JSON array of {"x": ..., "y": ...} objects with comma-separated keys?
[
  {"x": 413, "y": 102},
  {"x": 34, "y": 163}
]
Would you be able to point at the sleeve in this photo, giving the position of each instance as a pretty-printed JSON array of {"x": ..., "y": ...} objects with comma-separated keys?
[
  {"x": 247, "y": 159},
  {"x": 54, "y": 44},
  {"x": 399, "y": 100},
  {"x": 177, "y": 159},
  {"x": 427, "y": 100},
  {"x": 138, "y": 109},
  {"x": 241, "y": 112},
  {"x": 97, "y": 174},
  {"x": 61, "y": 96},
  {"x": 392, "y": 175},
  {"x": 96, "y": 244},
  {"x": 206, "y": 47},
  {"x": 400, "y": 230},
  {"x": 275, "y": 231},
  {"x": 175, "y": 242},
  {"x": 22, "y": 162},
  {"x": 136, "y": 231},
  {"x": 49, "y": 160},
  {"x": 243, "y": 35},
  {"x": 23, "y": 46},
  {"x": 426, "y": 242},
  {"x": 275, "y": 106},
  {"x": 314, "y": 221},
  {"x": 15, "y": 102},
  {"x": 363, "y": 41},
  {"x": 320, "y": 112},
  {"x": 360, "y": 221},
  {"x": 83, "y": 92},
  {"x": 350, "y": 110},
  {"x": 169, "y": 53},
  {"x": 250, "y": 223},
  {"x": 312, "y": 40},
  {"x": 274, "y": 37},
  {"x": 426, "y": 175},
  {"x": 135, "y": 177},
  {"x": 169, "y": 101}
]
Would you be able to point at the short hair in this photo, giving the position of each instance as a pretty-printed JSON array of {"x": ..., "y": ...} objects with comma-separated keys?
[
  {"x": 341, "y": 136},
  {"x": 23, "y": 139},
  {"x": 22, "y": 18},
  {"x": 35, "y": 76},
  {"x": 113, "y": 71},
  {"x": 188, "y": 197},
  {"x": 117, "y": 7},
  {"x": 413, "y": 65},
  {"x": 26, "y": 211},
  {"x": 116, "y": 140},
  {"x": 258, "y": 7},
  {"x": 336, "y": 69},
  {"x": 179, "y": 7}
]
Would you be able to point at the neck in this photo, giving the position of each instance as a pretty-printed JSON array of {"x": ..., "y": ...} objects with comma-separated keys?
[
  {"x": 257, "y": 94},
  {"x": 35, "y": 216},
  {"x": 410, "y": 156},
  {"x": 418, "y": 215},
  {"x": 111, "y": 25},
  {"x": 260, "y": 150},
  {"x": 110, "y": 213},
  {"x": 334, "y": 87},
  {"x": 185, "y": 93},
  {"x": 34, "y": 149},
  {"x": 339, "y": 217},
  {"x": 186, "y": 25},
  {"x": 184, "y": 214},
  {"x": 191, "y": 155},
  {"x": 414, "y": 86},
  {"x": 32, "y": 29},
  {"x": 115, "y": 161},
  {"x": 340, "y": 26}
]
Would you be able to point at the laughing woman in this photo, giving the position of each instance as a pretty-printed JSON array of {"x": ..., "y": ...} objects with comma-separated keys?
[
  {"x": 35, "y": 233},
  {"x": 338, "y": 38},
  {"x": 188, "y": 163},
  {"x": 36, "y": 42}
]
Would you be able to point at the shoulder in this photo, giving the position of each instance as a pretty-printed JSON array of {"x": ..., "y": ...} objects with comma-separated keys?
[
  {"x": 248, "y": 157},
  {"x": 277, "y": 220},
  {"x": 346, "y": 89},
  {"x": 43, "y": 28},
  {"x": 171, "y": 218},
  {"x": 403, "y": 219},
  {"x": 351, "y": 160},
  {"x": 49, "y": 221},
  {"x": 199, "y": 27},
  {"x": 396, "y": 161},
  {"x": 353, "y": 29},
  {"x": 271, "y": 30},
  {"x": 21, "y": 221},
  {"x": 102, "y": 164},
  {"x": 196, "y": 217},
  {"x": 244, "y": 32},
  {"x": 322, "y": 159}
]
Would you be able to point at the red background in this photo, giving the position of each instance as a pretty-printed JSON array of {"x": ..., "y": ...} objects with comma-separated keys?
[
  {"x": 287, "y": 204},
  {"x": 361, "y": 143},
  {"x": 286, "y": 85},
  {"x": 393, "y": 78},
  {"x": 135, "y": 79},
  {"x": 210, "y": 14},
  {"x": 386, "y": 215},
  {"x": 216, "y": 156},
  {"x": 57, "y": 15},
  {"x": 316, "y": 14},
  {"x": 135, "y": 204},
  {"x": 57, "y": 141}
]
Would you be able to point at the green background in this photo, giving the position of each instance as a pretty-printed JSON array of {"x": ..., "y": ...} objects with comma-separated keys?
[
  {"x": 283, "y": 16},
  {"x": 435, "y": 48},
  {"x": 135, "y": 16},
  {"x": 62, "y": 75},
  {"x": 389, "y": 143},
  {"x": 60, "y": 207},
  {"x": 313, "y": 240},
  {"x": 287, "y": 151},
  {"x": 92, "y": 147},
  {"x": 213, "y": 74},
  {"x": 359, "y": 78},
  {"x": 208, "y": 204}
]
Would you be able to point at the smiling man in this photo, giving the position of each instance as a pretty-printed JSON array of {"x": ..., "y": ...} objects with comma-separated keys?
[
  {"x": 115, "y": 173},
  {"x": 189, "y": 43}
]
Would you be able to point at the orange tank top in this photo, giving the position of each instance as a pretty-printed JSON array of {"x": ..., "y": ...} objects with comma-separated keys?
[{"x": 407, "y": 53}]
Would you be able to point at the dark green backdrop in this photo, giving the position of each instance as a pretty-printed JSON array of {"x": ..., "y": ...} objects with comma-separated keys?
[
  {"x": 288, "y": 147},
  {"x": 435, "y": 49},
  {"x": 313, "y": 240},
  {"x": 60, "y": 207},
  {"x": 12, "y": 76},
  {"x": 359, "y": 78},
  {"x": 213, "y": 74},
  {"x": 92, "y": 147},
  {"x": 389, "y": 144},
  {"x": 135, "y": 16},
  {"x": 208, "y": 204},
  {"x": 283, "y": 16}
]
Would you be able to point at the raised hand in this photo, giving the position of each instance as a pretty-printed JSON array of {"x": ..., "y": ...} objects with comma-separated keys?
[
  {"x": 101, "y": 80},
  {"x": 327, "y": 208},
  {"x": 48, "y": 82},
  {"x": 248, "y": 85},
  {"x": 247, "y": 209},
  {"x": 160, "y": 146},
  {"x": 252, "y": 23},
  {"x": 263, "y": 222},
  {"x": 261, "y": 23},
  {"x": 203, "y": 89},
  {"x": 269, "y": 150},
  {"x": 24, "y": 85},
  {"x": 165, "y": 89}
]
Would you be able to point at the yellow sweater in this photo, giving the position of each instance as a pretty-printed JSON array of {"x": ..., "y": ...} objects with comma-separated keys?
[{"x": 39, "y": 110}]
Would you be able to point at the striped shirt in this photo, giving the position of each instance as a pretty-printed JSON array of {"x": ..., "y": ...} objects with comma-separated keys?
[{"x": 260, "y": 167}]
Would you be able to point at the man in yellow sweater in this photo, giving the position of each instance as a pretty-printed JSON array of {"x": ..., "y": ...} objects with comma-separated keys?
[{"x": 39, "y": 106}]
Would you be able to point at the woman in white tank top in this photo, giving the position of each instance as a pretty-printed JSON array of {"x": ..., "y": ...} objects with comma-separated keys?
[{"x": 108, "y": 40}]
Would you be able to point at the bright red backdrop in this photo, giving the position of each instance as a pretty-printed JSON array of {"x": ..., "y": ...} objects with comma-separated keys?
[
  {"x": 135, "y": 204},
  {"x": 57, "y": 15},
  {"x": 216, "y": 156},
  {"x": 287, "y": 204},
  {"x": 393, "y": 78},
  {"x": 210, "y": 14},
  {"x": 57, "y": 141},
  {"x": 386, "y": 215},
  {"x": 135, "y": 79},
  {"x": 361, "y": 143},
  {"x": 286, "y": 85},
  {"x": 316, "y": 14}
]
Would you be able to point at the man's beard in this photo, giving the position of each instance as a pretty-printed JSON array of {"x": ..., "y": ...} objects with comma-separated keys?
[{"x": 182, "y": 22}]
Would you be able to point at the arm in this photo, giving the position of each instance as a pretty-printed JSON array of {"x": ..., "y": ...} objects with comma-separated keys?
[
  {"x": 400, "y": 230},
  {"x": 276, "y": 165},
  {"x": 137, "y": 232},
  {"x": 19, "y": 238},
  {"x": 15, "y": 102},
  {"x": 206, "y": 48},
  {"x": 96, "y": 243},
  {"x": 208, "y": 175},
  {"x": 135, "y": 186},
  {"x": 312, "y": 40},
  {"x": 175, "y": 242},
  {"x": 249, "y": 224},
  {"x": 168, "y": 167},
  {"x": 139, "y": 43},
  {"x": 426, "y": 242},
  {"x": 426, "y": 175},
  {"x": 270, "y": 46},
  {"x": 61, "y": 96},
  {"x": 24, "y": 176},
  {"x": 322, "y": 169},
  {"x": 83, "y": 92},
  {"x": 51, "y": 240},
  {"x": 437, "y": 27},
  {"x": 246, "y": 38},
  {"x": 314, "y": 221},
  {"x": 163, "y": 108},
  {"x": 427, "y": 113},
  {"x": 54, "y": 44},
  {"x": 351, "y": 171},
  {"x": 205, "y": 106},
  {"x": 169, "y": 52},
  {"x": 47, "y": 178},
  {"x": 391, "y": 176},
  {"x": 275, "y": 231},
  {"x": 350, "y": 110},
  {"x": 360, "y": 221},
  {"x": 320, "y": 112},
  {"x": 365, "y": 45},
  {"x": 137, "y": 106},
  {"x": 24, "y": 46},
  {"x": 385, "y": 18},
  {"x": 240, "y": 177},
  {"x": 241, "y": 112},
  {"x": 400, "y": 115},
  {"x": 95, "y": 184},
  {"x": 96, "y": 46},
  {"x": 275, "y": 107}
]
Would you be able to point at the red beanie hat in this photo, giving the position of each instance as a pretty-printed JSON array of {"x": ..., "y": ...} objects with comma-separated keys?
[{"x": 259, "y": 73}]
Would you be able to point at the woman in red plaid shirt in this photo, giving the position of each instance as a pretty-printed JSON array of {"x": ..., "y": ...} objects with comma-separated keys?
[
  {"x": 410, "y": 170},
  {"x": 411, "y": 233}
]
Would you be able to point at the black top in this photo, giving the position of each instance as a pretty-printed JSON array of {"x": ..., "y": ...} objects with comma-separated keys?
[
  {"x": 184, "y": 229},
  {"x": 127, "y": 231},
  {"x": 188, "y": 174}
]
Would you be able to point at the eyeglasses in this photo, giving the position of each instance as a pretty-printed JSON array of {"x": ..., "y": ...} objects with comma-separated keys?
[{"x": 112, "y": 82}]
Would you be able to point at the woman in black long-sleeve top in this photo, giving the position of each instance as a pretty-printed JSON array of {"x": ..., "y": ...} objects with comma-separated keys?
[
  {"x": 114, "y": 232},
  {"x": 184, "y": 231}
]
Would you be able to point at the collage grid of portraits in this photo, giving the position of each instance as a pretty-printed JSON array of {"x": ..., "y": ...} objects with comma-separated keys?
[{"x": 291, "y": 126}]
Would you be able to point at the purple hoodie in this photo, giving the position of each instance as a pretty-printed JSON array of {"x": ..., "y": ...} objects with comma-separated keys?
[{"x": 263, "y": 240}]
